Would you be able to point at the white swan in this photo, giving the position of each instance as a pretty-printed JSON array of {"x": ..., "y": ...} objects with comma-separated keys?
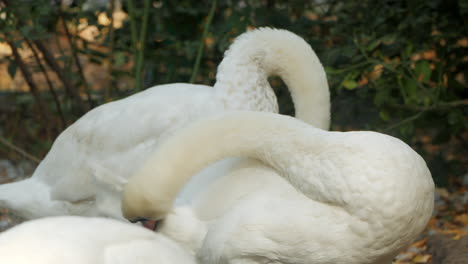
[
  {"x": 89, "y": 162},
  {"x": 78, "y": 240},
  {"x": 353, "y": 197}
]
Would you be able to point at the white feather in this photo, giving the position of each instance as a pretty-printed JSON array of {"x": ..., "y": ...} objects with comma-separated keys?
[{"x": 78, "y": 240}]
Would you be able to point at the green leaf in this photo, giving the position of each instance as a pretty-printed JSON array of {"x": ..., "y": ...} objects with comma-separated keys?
[
  {"x": 26, "y": 30},
  {"x": 119, "y": 59},
  {"x": 331, "y": 70},
  {"x": 407, "y": 129},
  {"x": 12, "y": 67},
  {"x": 423, "y": 69},
  {"x": 389, "y": 39},
  {"x": 410, "y": 89},
  {"x": 373, "y": 45},
  {"x": 349, "y": 84},
  {"x": 427, "y": 100},
  {"x": 408, "y": 51},
  {"x": 384, "y": 115}
]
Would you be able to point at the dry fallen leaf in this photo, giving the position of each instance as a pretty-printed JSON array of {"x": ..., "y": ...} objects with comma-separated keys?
[
  {"x": 422, "y": 258},
  {"x": 419, "y": 244},
  {"x": 443, "y": 193},
  {"x": 463, "y": 219}
]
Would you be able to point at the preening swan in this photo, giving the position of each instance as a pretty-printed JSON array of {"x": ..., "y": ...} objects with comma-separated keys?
[
  {"x": 78, "y": 240},
  {"x": 85, "y": 169},
  {"x": 356, "y": 197}
]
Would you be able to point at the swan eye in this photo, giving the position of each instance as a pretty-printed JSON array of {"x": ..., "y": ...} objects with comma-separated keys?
[{"x": 139, "y": 219}]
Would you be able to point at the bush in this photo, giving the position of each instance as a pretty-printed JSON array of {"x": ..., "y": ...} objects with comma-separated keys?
[{"x": 394, "y": 66}]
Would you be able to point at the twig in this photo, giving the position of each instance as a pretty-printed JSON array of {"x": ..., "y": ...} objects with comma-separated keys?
[
  {"x": 437, "y": 106},
  {"x": 133, "y": 32},
  {"x": 352, "y": 67},
  {"x": 133, "y": 24},
  {"x": 141, "y": 45},
  {"x": 421, "y": 110},
  {"x": 404, "y": 121},
  {"x": 202, "y": 41},
  {"x": 77, "y": 60},
  {"x": 10, "y": 145},
  {"x": 111, "y": 52},
  {"x": 71, "y": 90},
  {"x": 49, "y": 83},
  {"x": 29, "y": 80}
]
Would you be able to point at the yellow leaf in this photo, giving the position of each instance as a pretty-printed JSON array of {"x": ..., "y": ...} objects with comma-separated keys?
[
  {"x": 422, "y": 258},
  {"x": 463, "y": 218},
  {"x": 376, "y": 72},
  {"x": 419, "y": 243},
  {"x": 209, "y": 41}
]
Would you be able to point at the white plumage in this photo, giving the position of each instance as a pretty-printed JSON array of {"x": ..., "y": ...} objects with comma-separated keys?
[
  {"x": 79, "y": 240},
  {"x": 313, "y": 197},
  {"x": 85, "y": 169}
]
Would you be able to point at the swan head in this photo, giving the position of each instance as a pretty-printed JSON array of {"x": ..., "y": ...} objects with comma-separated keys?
[
  {"x": 138, "y": 207},
  {"x": 143, "y": 200}
]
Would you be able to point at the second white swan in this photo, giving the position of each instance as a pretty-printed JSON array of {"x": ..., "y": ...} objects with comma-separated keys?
[{"x": 80, "y": 240}]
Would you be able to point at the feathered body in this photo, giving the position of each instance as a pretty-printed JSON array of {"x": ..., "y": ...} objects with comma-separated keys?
[
  {"x": 338, "y": 197},
  {"x": 78, "y": 240}
]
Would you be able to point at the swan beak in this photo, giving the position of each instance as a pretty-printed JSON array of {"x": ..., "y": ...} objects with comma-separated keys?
[{"x": 150, "y": 224}]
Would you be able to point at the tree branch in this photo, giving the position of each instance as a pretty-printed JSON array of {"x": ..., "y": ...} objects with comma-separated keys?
[
  {"x": 111, "y": 35},
  {"x": 434, "y": 107},
  {"x": 77, "y": 60},
  {"x": 10, "y": 145},
  {"x": 29, "y": 80},
  {"x": 202, "y": 41},
  {"x": 141, "y": 45},
  {"x": 49, "y": 83},
  {"x": 404, "y": 121},
  {"x": 71, "y": 89}
]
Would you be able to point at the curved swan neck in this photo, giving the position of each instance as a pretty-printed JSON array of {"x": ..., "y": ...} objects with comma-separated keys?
[
  {"x": 344, "y": 170},
  {"x": 276, "y": 140},
  {"x": 261, "y": 53}
]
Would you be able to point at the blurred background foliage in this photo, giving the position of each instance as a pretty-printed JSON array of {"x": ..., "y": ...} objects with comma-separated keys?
[{"x": 398, "y": 67}]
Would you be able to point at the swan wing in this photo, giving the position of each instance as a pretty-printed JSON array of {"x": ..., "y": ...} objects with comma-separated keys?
[{"x": 106, "y": 145}]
